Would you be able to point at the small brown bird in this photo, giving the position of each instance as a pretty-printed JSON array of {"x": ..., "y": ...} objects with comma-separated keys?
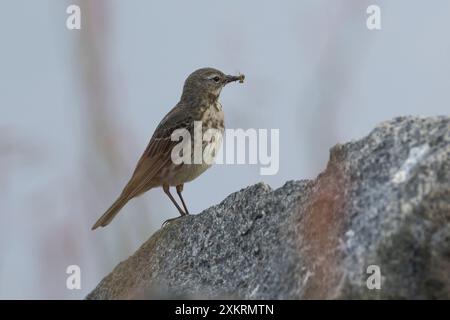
[{"x": 199, "y": 102}]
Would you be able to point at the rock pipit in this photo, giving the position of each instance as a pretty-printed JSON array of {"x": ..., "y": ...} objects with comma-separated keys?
[{"x": 199, "y": 103}]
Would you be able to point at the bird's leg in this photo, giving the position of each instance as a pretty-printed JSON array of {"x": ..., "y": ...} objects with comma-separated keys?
[
  {"x": 179, "y": 191},
  {"x": 167, "y": 191}
]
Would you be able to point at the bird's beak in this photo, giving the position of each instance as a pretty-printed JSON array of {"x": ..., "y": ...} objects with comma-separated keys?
[{"x": 239, "y": 78}]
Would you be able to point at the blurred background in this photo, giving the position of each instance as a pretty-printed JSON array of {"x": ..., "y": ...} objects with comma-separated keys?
[{"x": 78, "y": 108}]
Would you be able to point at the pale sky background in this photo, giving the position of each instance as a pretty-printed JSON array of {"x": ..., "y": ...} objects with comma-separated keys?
[{"x": 79, "y": 107}]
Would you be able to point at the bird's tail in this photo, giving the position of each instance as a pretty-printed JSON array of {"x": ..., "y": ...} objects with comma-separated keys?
[{"x": 107, "y": 217}]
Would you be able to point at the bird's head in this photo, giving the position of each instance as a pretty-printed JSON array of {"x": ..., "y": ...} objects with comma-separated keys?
[{"x": 208, "y": 83}]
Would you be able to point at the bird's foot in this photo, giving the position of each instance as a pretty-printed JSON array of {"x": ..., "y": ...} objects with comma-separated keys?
[{"x": 170, "y": 220}]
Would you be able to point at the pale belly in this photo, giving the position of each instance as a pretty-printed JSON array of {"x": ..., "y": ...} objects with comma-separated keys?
[
  {"x": 178, "y": 174},
  {"x": 187, "y": 172}
]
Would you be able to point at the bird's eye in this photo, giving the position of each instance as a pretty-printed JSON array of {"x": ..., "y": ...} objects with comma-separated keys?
[{"x": 216, "y": 78}]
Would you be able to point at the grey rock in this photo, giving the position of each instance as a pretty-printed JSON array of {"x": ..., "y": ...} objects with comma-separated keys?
[{"x": 383, "y": 200}]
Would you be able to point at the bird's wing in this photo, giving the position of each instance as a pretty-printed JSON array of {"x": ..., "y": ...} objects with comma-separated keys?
[{"x": 157, "y": 155}]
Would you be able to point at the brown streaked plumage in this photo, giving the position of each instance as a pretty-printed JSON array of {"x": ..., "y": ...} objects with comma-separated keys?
[{"x": 198, "y": 102}]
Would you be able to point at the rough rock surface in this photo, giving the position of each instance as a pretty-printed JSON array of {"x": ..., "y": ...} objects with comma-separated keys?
[{"x": 383, "y": 200}]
